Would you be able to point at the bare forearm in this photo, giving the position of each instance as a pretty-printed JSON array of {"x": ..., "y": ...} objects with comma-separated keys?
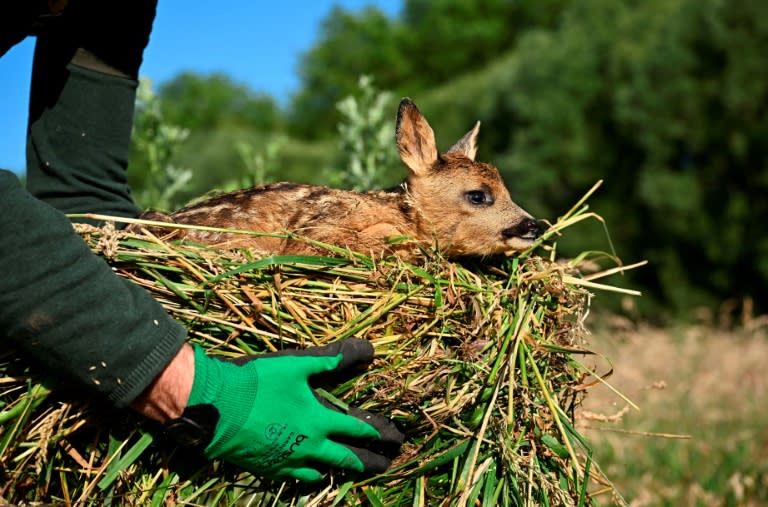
[{"x": 166, "y": 397}]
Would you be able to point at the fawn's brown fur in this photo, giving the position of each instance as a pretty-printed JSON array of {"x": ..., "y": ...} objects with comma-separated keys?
[{"x": 450, "y": 200}]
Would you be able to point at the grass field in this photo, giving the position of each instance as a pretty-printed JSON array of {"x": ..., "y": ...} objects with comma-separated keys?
[{"x": 706, "y": 390}]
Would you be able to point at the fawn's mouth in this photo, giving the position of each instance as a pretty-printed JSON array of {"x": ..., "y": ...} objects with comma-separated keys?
[{"x": 518, "y": 243}]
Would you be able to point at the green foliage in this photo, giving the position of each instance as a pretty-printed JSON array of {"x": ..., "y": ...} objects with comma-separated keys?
[
  {"x": 644, "y": 95},
  {"x": 431, "y": 43},
  {"x": 259, "y": 164},
  {"x": 207, "y": 102},
  {"x": 367, "y": 157},
  {"x": 235, "y": 139},
  {"x": 155, "y": 141},
  {"x": 466, "y": 35},
  {"x": 351, "y": 45}
]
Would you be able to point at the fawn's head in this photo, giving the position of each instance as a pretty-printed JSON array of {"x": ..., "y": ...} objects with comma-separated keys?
[{"x": 463, "y": 203}]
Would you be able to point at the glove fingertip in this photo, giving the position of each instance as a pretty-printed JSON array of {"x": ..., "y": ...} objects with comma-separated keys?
[
  {"x": 388, "y": 430},
  {"x": 373, "y": 463},
  {"x": 345, "y": 359},
  {"x": 304, "y": 474},
  {"x": 355, "y": 351}
]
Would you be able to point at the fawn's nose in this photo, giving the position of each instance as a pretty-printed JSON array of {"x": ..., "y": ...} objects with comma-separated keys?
[{"x": 528, "y": 228}]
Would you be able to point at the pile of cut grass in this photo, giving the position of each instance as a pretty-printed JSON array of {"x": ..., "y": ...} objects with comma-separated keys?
[{"x": 478, "y": 364}]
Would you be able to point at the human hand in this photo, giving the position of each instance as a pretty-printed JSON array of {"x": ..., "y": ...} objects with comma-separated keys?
[{"x": 261, "y": 413}]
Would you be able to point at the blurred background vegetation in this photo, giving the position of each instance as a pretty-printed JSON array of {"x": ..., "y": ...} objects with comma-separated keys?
[{"x": 665, "y": 100}]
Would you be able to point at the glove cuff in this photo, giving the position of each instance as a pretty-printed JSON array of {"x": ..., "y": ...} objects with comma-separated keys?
[
  {"x": 207, "y": 381},
  {"x": 230, "y": 389}
]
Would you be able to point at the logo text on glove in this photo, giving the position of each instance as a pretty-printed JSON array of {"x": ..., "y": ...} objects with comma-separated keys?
[
  {"x": 283, "y": 445},
  {"x": 296, "y": 443}
]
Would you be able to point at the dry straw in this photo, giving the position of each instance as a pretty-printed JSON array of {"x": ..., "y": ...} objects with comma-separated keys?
[{"x": 478, "y": 363}]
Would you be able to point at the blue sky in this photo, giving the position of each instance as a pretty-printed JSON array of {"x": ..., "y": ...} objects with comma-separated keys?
[{"x": 257, "y": 45}]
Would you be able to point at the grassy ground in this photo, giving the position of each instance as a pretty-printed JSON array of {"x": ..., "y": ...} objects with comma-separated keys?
[{"x": 709, "y": 385}]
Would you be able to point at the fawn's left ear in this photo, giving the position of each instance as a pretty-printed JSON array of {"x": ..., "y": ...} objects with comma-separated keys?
[
  {"x": 415, "y": 138},
  {"x": 467, "y": 145}
]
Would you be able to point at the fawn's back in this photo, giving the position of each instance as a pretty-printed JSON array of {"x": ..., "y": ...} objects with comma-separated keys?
[{"x": 452, "y": 201}]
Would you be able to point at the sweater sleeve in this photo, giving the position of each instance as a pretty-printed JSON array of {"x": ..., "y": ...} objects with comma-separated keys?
[{"x": 62, "y": 306}]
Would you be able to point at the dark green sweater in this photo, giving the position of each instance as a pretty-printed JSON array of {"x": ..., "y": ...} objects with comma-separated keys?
[{"x": 63, "y": 307}]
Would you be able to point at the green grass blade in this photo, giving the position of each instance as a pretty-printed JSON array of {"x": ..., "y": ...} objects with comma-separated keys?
[{"x": 130, "y": 456}]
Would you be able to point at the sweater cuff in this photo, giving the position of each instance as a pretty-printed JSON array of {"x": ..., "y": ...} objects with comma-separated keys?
[{"x": 128, "y": 389}]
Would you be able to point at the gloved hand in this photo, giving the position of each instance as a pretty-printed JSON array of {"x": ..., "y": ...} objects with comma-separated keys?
[{"x": 271, "y": 422}]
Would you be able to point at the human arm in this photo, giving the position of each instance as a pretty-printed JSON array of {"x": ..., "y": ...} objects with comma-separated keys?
[
  {"x": 166, "y": 397},
  {"x": 82, "y": 100},
  {"x": 64, "y": 307}
]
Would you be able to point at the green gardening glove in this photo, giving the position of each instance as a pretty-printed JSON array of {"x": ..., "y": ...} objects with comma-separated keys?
[{"x": 263, "y": 415}]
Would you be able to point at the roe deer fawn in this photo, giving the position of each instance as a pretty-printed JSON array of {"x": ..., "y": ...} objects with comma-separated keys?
[{"x": 449, "y": 200}]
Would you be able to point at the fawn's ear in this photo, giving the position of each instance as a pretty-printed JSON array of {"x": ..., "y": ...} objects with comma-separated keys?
[
  {"x": 415, "y": 138},
  {"x": 467, "y": 145}
]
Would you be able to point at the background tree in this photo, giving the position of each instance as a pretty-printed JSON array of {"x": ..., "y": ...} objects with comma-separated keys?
[
  {"x": 215, "y": 101},
  {"x": 431, "y": 43},
  {"x": 665, "y": 100},
  {"x": 444, "y": 39},
  {"x": 351, "y": 45}
]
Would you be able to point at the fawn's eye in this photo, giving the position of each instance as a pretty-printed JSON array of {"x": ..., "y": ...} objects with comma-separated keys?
[{"x": 479, "y": 197}]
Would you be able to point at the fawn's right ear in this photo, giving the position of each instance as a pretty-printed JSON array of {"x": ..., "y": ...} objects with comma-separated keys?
[{"x": 415, "y": 138}]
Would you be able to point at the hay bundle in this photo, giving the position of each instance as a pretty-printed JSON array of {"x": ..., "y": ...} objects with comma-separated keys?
[{"x": 477, "y": 363}]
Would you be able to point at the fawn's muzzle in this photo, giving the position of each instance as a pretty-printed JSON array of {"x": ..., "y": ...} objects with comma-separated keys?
[{"x": 528, "y": 228}]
